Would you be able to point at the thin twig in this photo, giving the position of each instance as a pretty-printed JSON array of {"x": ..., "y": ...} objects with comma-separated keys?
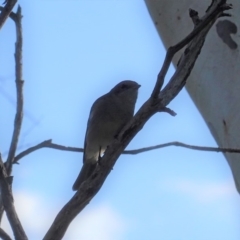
[
  {"x": 19, "y": 88},
  {"x": 180, "y": 144},
  {"x": 49, "y": 144},
  {"x": 4, "y": 235},
  {"x": 7, "y": 200},
  {"x": 168, "y": 110},
  {"x": 194, "y": 16},
  {"x": 6, "y": 11},
  {"x": 45, "y": 144}
]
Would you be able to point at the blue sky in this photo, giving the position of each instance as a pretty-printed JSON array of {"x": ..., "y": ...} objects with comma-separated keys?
[{"x": 74, "y": 52}]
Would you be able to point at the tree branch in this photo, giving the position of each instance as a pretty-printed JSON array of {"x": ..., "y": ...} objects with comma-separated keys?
[
  {"x": 49, "y": 144},
  {"x": 16, "y": 17},
  {"x": 180, "y": 144},
  {"x": 19, "y": 88},
  {"x": 4, "y": 235},
  {"x": 12, "y": 15},
  {"x": 6, "y": 11},
  {"x": 92, "y": 185},
  {"x": 45, "y": 144},
  {"x": 7, "y": 200}
]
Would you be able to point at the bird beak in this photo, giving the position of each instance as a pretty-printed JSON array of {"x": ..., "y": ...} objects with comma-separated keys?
[{"x": 138, "y": 86}]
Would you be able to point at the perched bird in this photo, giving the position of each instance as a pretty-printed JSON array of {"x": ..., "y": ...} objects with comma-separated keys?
[{"x": 108, "y": 116}]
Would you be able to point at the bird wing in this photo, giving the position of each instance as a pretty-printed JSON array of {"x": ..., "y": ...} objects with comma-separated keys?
[{"x": 92, "y": 117}]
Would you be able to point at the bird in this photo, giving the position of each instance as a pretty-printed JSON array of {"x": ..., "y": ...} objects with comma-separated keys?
[{"x": 108, "y": 115}]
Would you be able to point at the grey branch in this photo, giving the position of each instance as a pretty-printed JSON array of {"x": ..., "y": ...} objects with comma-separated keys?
[
  {"x": 19, "y": 87},
  {"x": 4, "y": 235},
  {"x": 158, "y": 100},
  {"x": 7, "y": 200},
  {"x": 180, "y": 144},
  {"x": 49, "y": 144},
  {"x": 45, "y": 144},
  {"x": 6, "y": 11}
]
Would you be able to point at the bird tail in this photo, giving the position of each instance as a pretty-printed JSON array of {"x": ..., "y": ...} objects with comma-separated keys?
[{"x": 85, "y": 173}]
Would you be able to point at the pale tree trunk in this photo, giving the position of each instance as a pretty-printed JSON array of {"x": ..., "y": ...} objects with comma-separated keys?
[{"x": 214, "y": 84}]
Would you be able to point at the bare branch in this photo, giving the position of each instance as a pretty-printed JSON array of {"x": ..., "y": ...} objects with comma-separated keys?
[
  {"x": 49, "y": 144},
  {"x": 16, "y": 17},
  {"x": 45, "y": 144},
  {"x": 91, "y": 186},
  {"x": 19, "y": 87},
  {"x": 4, "y": 235},
  {"x": 194, "y": 16},
  {"x": 6, "y": 11},
  {"x": 180, "y": 144},
  {"x": 7, "y": 200},
  {"x": 168, "y": 110},
  {"x": 12, "y": 15}
]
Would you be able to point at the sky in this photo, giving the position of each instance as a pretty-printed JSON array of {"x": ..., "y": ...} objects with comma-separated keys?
[{"x": 74, "y": 52}]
